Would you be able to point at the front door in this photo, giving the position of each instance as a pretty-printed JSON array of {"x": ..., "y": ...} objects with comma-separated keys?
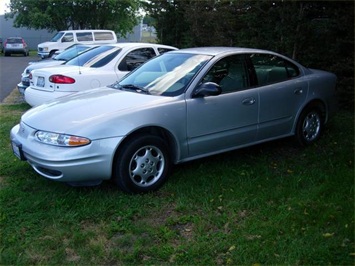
[{"x": 226, "y": 121}]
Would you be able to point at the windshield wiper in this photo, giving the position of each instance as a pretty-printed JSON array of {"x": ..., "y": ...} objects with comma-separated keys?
[{"x": 135, "y": 88}]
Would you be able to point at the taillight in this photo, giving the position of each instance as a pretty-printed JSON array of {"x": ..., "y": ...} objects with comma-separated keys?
[
  {"x": 30, "y": 75},
  {"x": 60, "y": 79}
]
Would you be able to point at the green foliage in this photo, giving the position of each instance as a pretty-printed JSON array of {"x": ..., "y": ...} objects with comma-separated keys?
[
  {"x": 271, "y": 204},
  {"x": 318, "y": 34},
  {"x": 120, "y": 16}
]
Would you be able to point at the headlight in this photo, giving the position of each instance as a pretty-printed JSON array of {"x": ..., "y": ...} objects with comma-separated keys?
[
  {"x": 61, "y": 139},
  {"x": 45, "y": 49}
]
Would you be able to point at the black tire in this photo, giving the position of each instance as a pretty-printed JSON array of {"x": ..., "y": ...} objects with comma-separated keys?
[
  {"x": 309, "y": 126},
  {"x": 51, "y": 54},
  {"x": 142, "y": 164}
]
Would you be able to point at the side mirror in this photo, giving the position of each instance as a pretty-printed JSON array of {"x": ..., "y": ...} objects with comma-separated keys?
[{"x": 207, "y": 89}]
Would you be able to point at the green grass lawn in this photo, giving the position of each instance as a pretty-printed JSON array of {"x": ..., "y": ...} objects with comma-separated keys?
[{"x": 274, "y": 203}]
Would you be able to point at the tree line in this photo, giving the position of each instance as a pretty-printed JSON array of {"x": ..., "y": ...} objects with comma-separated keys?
[{"x": 318, "y": 34}]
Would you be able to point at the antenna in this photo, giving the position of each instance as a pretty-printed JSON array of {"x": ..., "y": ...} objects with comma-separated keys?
[{"x": 77, "y": 52}]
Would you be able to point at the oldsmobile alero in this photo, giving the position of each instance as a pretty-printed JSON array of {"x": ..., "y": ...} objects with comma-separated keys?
[{"x": 177, "y": 107}]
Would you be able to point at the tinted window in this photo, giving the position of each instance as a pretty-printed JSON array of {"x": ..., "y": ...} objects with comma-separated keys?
[
  {"x": 103, "y": 36},
  {"x": 14, "y": 40},
  {"x": 271, "y": 69},
  {"x": 83, "y": 58},
  {"x": 84, "y": 36},
  {"x": 230, "y": 73},
  {"x": 135, "y": 58}
]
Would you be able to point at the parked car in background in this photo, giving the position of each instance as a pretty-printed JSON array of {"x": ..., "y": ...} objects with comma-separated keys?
[
  {"x": 180, "y": 106},
  {"x": 64, "y": 39},
  {"x": 95, "y": 68},
  {"x": 15, "y": 45},
  {"x": 56, "y": 60}
]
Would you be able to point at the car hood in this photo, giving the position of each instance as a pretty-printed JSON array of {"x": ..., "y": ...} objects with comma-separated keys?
[{"x": 95, "y": 113}]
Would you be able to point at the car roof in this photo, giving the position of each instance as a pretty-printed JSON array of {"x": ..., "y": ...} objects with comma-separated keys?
[
  {"x": 14, "y": 38},
  {"x": 140, "y": 44},
  {"x": 220, "y": 50}
]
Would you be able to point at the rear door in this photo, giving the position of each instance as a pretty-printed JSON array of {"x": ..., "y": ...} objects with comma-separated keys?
[{"x": 282, "y": 91}]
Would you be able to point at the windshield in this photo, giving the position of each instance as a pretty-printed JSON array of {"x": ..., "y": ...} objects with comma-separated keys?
[
  {"x": 87, "y": 58},
  {"x": 71, "y": 52},
  {"x": 57, "y": 36},
  {"x": 166, "y": 75}
]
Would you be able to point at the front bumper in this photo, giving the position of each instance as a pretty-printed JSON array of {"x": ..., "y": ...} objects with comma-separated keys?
[
  {"x": 92, "y": 162},
  {"x": 43, "y": 54},
  {"x": 21, "y": 88}
]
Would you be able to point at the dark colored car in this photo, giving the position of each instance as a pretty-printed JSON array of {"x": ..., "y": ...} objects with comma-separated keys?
[{"x": 15, "y": 45}]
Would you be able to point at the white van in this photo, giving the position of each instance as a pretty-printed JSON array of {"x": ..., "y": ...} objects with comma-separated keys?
[{"x": 64, "y": 39}]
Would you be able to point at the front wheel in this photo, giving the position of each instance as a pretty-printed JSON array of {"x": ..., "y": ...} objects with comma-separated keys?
[
  {"x": 309, "y": 126},
  {"x": 142, "y": 164}
]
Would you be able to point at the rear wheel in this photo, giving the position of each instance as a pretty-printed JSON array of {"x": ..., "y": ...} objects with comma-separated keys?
[
  {"x": 309, "y": 126},
  {"x": 142, "y": 164}
]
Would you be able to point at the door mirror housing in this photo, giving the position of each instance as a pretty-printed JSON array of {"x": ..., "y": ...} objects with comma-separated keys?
[{"x": 207, "y": 89}]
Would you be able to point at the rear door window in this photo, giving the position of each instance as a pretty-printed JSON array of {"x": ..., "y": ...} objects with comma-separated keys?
[
  {"x": 84, "y": 36},
  {"x": 135, "y": 58},
  {"x": 272, "y": 69}
]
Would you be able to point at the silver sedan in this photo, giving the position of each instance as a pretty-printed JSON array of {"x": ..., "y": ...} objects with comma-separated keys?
[{"x": 177, "y": 107}]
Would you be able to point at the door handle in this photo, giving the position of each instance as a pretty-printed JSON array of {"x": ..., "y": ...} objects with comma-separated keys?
[
  {"x": 249, "y": 101},
  {"x": 298, "y": 91}
]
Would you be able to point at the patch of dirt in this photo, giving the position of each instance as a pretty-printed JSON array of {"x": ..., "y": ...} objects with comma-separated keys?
[{"x": 14, "y": 98}]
